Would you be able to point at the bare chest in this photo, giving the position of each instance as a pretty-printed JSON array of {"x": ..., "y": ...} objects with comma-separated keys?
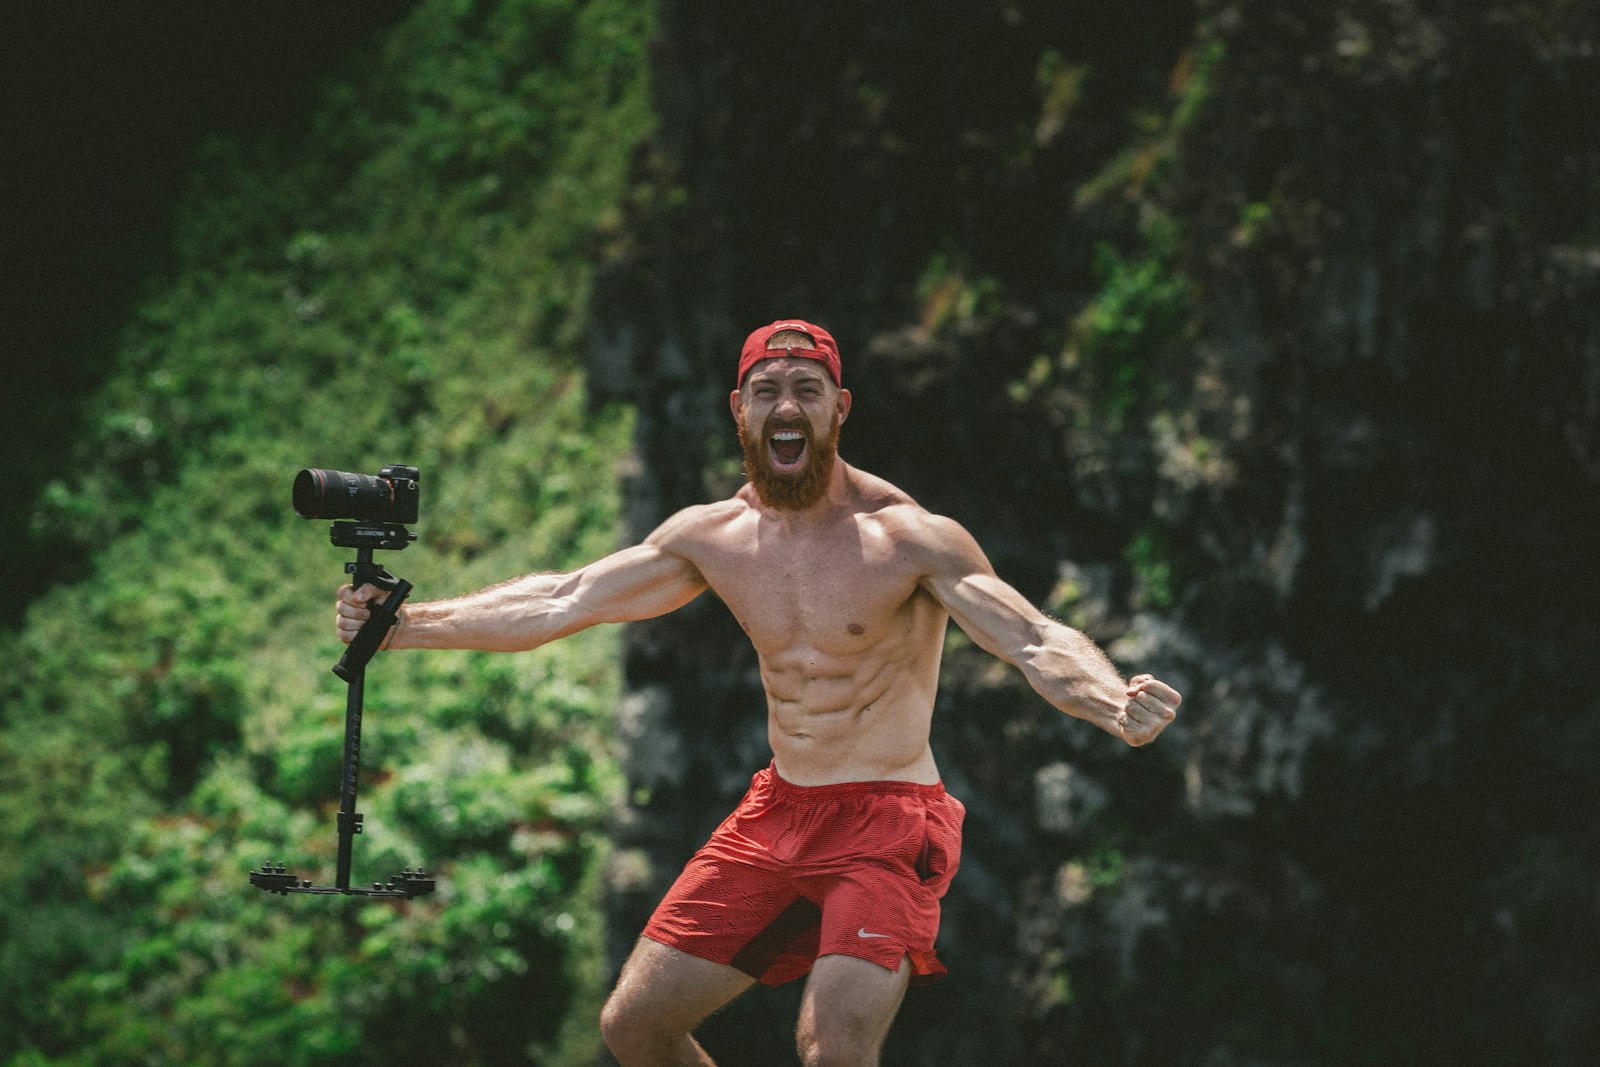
[{"x": 838, "y": 593}]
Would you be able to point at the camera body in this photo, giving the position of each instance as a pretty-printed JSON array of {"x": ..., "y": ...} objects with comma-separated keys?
[{"x": 390, "y": 496}]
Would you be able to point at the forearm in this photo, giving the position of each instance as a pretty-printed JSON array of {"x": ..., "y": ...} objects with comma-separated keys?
[
  {"x": 1070, "y": 671},
  {"x": 1062, "y": 664},
  {"x": 511, "y": 617}
]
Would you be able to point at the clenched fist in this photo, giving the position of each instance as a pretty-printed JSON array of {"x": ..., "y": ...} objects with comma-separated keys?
[{"x": 1152, "y": 704}]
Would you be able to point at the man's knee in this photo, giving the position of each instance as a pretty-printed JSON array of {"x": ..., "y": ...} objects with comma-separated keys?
[
  {"x": 628, "y": 1030},
  {"x": 838, "y": 1040},
  {"x": 848, "y": 1008},
  {"x": 615, "y": 1024},
  {"x": 661, "y": 996},
  {"x": 836, "y": 1049}
]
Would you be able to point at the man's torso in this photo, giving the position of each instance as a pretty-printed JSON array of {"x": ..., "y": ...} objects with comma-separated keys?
[{"x": 848, "y": 639}]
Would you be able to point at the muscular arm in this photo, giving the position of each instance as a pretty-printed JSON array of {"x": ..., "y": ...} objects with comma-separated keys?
[
  {"x": 1062, "y": 664},
  {"x": 635, "y": 583}
]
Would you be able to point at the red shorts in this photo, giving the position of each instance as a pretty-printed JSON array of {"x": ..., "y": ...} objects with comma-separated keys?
[{"x": 797, "y": 872}]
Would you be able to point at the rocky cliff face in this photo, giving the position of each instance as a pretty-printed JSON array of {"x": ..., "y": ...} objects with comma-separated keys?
[{"x": 1258, "y": 339}]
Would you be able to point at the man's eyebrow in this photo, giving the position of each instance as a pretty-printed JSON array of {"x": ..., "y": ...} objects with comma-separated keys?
[{"x": 804, "y": 376}]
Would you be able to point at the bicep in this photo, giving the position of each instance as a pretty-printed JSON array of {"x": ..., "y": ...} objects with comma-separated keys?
[
  {"x": 635, "y": 583},
  {"x": 999, "y": 619}
]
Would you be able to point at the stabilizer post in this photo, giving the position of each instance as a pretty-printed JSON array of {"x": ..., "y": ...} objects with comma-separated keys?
[{"x": 274, "y": 877}]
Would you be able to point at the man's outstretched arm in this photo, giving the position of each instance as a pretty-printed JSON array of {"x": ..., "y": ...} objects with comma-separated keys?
[
  {"x": 635, "y": 583},
  {"x": 1061, "y": 664}
]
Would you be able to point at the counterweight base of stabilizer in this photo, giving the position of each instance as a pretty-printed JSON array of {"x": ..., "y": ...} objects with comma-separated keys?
[{"x": 275, "y": 878}]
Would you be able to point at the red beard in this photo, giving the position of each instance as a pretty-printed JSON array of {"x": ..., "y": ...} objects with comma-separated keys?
[{"x": 789, "y": 490}]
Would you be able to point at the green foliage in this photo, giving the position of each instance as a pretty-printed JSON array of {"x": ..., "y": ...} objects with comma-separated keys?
[
  {"x": 1254, "y": 217},
  {"x": 1143, "y": 299},
  {"x": 403, "y": 279},
  {"x": 1140, "y": 307},
  {"x": 1150, "y": 555},
  {"x": 1139, "y": 172},
  {"x": 950, "y": 297},
  {"x": 1061, "y": 87}
]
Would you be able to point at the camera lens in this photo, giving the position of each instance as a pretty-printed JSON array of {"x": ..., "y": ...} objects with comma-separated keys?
[{"x": 325, "y": 494}]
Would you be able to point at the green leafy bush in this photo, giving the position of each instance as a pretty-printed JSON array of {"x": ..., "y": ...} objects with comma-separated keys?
[{"x": 402, "y": 279}]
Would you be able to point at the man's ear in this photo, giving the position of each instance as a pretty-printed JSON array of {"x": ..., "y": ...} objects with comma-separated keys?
[
  {"x": 844, "y": 405},
  {"x": 736, "y": 403}
]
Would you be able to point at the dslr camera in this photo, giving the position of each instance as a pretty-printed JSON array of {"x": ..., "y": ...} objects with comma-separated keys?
[{"x": 389, "y": 496}]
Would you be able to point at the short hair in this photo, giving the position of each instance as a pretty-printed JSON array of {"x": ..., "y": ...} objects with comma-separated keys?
[{"x": 790, "y": 339}]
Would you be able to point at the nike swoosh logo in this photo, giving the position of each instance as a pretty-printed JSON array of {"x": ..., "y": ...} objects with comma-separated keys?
[{"x": 863, "y": 933}]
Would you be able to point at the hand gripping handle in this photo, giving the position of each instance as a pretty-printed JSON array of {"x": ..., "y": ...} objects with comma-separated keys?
[{"x": 372, "y": 633}]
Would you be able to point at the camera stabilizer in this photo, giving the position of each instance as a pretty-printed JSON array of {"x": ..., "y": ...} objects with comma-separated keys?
[{"x": 397, "y": 500}]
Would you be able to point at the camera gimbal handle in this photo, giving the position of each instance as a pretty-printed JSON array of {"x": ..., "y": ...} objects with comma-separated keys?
[
  {"x": 384, "y": 616},
  {"x": 364, "y": 537}
]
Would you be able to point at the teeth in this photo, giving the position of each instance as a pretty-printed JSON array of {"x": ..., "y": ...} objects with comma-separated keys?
[{"x": 788, "y": 435}]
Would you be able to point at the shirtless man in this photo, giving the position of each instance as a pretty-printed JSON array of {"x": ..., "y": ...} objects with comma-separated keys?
[{"x": 835, "y": 861}]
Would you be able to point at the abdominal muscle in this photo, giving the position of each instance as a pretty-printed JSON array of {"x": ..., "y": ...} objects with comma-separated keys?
[{"x": 837, "y": 719}]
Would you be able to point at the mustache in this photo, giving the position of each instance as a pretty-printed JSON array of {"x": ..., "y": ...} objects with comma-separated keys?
[{"x": 769, "y": 431}]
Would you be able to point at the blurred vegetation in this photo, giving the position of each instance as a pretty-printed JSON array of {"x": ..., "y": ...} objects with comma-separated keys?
[
  {"x": 401, "y": 279},
  {"x": 1255, "y": 337}
]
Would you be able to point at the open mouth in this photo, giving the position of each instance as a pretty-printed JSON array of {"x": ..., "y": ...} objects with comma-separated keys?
[{"x": 788, "y": 450}]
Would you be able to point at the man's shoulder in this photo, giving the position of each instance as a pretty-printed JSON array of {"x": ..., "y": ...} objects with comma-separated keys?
[
  {"x": 902, "y": 518},
  {"x": 880, "y": 498},
  {"x": 699, "y": 522}
]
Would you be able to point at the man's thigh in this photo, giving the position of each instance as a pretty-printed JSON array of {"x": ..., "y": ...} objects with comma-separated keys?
[
  {"x": 665, "y": 989},
  {"x": 851, "y": 1002}
]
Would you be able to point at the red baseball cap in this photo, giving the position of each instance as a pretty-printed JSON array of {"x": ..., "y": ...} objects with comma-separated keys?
[{"x": 758, "y": 347}]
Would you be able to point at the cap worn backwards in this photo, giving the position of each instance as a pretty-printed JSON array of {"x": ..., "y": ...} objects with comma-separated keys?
[{"x": 758, "y": 346}]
